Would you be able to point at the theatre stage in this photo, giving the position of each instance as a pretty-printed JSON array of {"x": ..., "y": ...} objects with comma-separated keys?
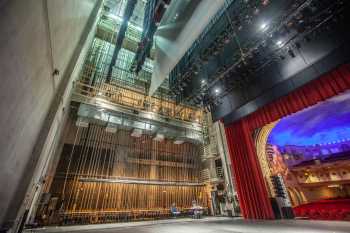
[{"x": 209, "y": 225}]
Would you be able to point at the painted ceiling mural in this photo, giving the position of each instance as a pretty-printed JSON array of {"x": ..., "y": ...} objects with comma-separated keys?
[{"x": 326, "y": 122}]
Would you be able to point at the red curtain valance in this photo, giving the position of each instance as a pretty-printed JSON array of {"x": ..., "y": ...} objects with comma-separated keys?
[
  {"x": 251, "y": 187},
  {"x": 318, "y": 90}
]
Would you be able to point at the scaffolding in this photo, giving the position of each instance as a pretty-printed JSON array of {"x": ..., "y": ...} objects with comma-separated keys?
[
  {"x": 105, "y": 176},
  {"x": 125, "y": 88}
]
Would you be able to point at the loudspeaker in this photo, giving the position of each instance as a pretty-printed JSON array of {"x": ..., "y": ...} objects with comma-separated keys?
[
  {"x": 287, "y": 212},
  {"x": 275, "y": 208}
]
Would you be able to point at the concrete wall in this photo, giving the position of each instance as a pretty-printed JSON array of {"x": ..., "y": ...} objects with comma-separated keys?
[{"x": 37, "y": 36}]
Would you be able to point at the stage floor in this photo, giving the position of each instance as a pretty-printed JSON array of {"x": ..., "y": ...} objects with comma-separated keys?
[{"x": 209, "y": 225}]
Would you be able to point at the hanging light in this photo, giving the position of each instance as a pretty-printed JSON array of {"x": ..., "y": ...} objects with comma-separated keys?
[
  {"x": 264, "y": 26},
  {"x": 279, "y": 43}
]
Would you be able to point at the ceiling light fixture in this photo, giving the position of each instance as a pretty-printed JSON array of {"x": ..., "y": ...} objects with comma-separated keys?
[
  {"x": 279, "y": 43},
  {"x": 264, "y": 26}
]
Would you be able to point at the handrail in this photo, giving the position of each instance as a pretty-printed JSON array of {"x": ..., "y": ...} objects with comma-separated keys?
[{"x": 139, "y": 101}]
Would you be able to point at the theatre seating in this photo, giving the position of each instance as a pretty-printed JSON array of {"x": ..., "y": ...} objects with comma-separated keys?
[{"x": 325, "y": 210}]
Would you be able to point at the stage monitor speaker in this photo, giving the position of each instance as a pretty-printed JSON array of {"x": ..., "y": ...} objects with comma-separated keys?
[
  {"x": 287, "y": 213},
  {"x": 275, "y": 208}
]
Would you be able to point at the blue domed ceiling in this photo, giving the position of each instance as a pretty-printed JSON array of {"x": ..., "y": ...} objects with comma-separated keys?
[{"x": 326, "y": 122}]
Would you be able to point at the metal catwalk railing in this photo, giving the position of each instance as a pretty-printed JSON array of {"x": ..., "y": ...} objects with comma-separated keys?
[
  {"x": 105, "y": 39},
  {"x": 103, "y": 48},
  {"x": 138, "y": 101},
  {"x": 110, "y": 24},
  {"x": 96, "y": 66},
  {"x": 83, "y": 190}
]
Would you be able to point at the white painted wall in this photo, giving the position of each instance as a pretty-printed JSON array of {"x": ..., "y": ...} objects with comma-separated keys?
[{"x": 36, "y": 37}]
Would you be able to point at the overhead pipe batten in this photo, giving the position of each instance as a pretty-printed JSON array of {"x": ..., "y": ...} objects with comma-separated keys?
[{"x": 129, "y": 9}]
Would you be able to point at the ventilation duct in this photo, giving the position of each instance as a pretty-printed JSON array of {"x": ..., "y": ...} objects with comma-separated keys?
[
  {"x": 81, "y": 122},
  {"x": 110, "y": 128},
  {"x": 178, "y": 141},
  {"x": 159, "y": 137},
  {"x": 117, "y": 120},
  {"x": 136, "y": 133}
]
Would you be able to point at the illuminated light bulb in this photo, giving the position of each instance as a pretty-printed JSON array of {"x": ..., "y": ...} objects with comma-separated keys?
[
  {"x": 256, "y": 11},
  {"x": 264, "y": 26},
  {"x": 265, "y": 2},
  {"x": 279, "y": 43}
]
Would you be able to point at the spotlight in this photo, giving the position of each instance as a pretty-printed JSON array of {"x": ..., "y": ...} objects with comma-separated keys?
[
  {"x": 216, "y": 51},
  {"x": 264, "y": 26},
  {"x": 256, "y": 11},
  {"x": 279, "y": 43},
  {"x": 203, "y": 81},
  {"x": 195, "y": 69},
  {"x": 291, "y": 53},
  {"x": 217, "y": 91},
  {"x": 265, "y": 2},
  {"x": 225, "y": 37}
]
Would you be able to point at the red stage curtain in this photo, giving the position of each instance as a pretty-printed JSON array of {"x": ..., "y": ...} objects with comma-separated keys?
[{"x": 251, "y": 189}]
